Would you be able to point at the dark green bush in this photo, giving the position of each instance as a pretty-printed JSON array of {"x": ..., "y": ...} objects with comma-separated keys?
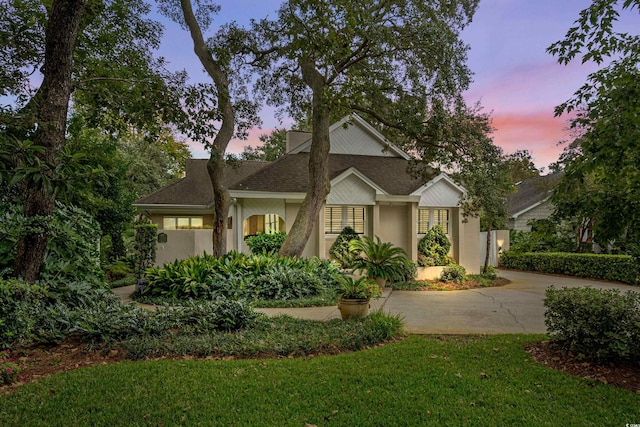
[
  {"x": 455, "y": 273},
  {"x": 436, "y": 245},
  {"x": 48, "y": 314},
  {"x": 72, "y": 252},
  {"x": 265, "y": 243},
  {"x": 622, "y": 268},
  {"x": 600, "y": 324},
  {"x": 144, "y": 247},
  {"x": 340, "y": 250},
  {"x": 241, "y": 276}
]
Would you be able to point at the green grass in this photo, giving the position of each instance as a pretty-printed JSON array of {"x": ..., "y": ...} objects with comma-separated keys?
[
  {"x": 323, "y": 300},
  {"x": 419, "y": 381}
]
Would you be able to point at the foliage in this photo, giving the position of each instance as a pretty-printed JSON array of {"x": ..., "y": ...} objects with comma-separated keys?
[
  {"x": 601, "y": 324},
  {"x": 361, "y": 288},
  {"x": 489, "y": 272},
  {"x": 340, "y": 249},
  {"x": 264, "y": 243},
  {"x": 10, "y": 368},
  {"x": 386, "y": 61},
  {"x": 50, "y": 313},
  {"x": 622, "y": 268},
  {"x": 436, "y": 245},
  {"x": 379, "y": 260},
  {"x": 117, "y": 271},
  {"x": 273, "y": 147},
  {"x": 601, "y": 182},
  {"x": 455, "y": 273},
  {"x": 520, "y": 166},
  {"x": 145, "y": 247},
  {"x": 72, "y": 253},
  {"x": 426, "y": 261},
  {"x": 546, "y": 235},
  {"x": 241, "y": 276}
]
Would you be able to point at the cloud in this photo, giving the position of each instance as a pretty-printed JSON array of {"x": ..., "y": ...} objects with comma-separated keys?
[{"x": 538, "y": 132}]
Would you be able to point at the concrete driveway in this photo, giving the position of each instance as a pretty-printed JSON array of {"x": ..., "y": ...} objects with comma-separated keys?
[{"x": 514, "y": 308}]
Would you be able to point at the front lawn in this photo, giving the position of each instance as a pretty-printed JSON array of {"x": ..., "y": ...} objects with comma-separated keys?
[{"x": 418, "y": 381}]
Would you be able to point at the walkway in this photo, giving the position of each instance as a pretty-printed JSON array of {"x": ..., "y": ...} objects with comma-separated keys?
[{"x": 514, "y": 308}]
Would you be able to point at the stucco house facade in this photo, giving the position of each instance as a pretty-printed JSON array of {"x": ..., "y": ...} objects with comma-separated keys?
[{"x": 371, "y": 191}]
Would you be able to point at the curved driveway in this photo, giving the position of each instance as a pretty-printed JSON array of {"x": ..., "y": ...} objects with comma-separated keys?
[{"x": 514, "y": 308}]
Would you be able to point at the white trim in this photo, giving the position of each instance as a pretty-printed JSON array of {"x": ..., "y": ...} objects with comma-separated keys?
[
  {"x": 171, "y": 206},
  {"x": 442, "y": 176},
  {"x": 359, "y": 120},
  {"x": 535, "y": 205},
  {"x": 399, "y": 199},
  {"x": 244, "y": 194}
]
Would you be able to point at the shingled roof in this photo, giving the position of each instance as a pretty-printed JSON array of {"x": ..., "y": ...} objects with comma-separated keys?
[
  {"x": 290, "y": 173},
  {"x": 195, "y": 188},
  {"x": 531, "y": 192}
]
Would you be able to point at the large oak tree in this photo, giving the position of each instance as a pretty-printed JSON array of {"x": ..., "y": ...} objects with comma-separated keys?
[{"x": 389, "y": 61}]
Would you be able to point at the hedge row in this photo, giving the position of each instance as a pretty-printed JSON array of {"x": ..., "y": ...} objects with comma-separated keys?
[
  {"x": 621, "y": 268},
  {"x": 601, "y": 324}
]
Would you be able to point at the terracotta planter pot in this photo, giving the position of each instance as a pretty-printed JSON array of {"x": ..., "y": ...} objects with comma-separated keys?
[
  {"x": 353, "y": 308},
  {"x": 380, "y": 281}
]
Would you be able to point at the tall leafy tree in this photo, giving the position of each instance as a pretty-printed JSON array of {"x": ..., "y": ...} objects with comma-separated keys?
[
  {"x": 97, "y": 51},
  {"x": 215, "y": 116},
  {"x": 273, "y": 147},
  {"x": 482, "y": 168},
  {"x": 601, "y": 180},
  {"x": 386, "y": 60},
  {"x": 520, "y": 166}
]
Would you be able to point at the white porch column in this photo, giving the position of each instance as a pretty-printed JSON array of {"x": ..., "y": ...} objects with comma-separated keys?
[{"x": 412, "y": 217}]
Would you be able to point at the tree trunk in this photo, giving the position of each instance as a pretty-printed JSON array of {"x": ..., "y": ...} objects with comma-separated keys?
[
  {"x": 216, "y": 164},
  {"x": 319, "y": 185},
  {"x": 51, "y": 107},
  {"x": 486, "y": 257}
]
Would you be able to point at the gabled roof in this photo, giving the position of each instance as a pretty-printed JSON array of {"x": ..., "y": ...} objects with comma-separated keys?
[
  {"x": 289, "y": 174},
  {"x": 530, "y": 193},
  {"x": 355, "y": 120},
  {"x": 195, "y": 188}
]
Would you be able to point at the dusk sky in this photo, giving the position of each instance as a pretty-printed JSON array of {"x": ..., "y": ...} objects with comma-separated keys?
[{"x": 515, "y": 80}]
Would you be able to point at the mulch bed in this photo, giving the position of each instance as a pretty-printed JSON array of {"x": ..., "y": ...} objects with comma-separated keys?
[{"x": 551, "y": 354}]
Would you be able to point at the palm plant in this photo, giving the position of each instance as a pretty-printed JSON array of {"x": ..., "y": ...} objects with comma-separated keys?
[{"x": 378, "y": 259}]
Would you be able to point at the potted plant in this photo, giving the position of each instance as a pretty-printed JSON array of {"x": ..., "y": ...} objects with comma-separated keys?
[
  {"x": 379, "y": 261},
  {"x": 354, "y": 296}
]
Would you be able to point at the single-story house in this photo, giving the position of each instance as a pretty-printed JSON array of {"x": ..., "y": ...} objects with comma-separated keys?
[
  {"x": 531, "y": 201},
  {"x": 371, "y": 190}
]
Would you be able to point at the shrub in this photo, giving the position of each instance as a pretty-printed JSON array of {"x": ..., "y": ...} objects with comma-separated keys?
[
  {"x": 72, "y": 251},
  {"x": 265, "y": 243},
  {"x": 436, "y": 245},
  {"x": 455, "y": 273},
  {"x": 145, "y": 247},
  {"x": 340, "y": 250},
  {"x": 380, "y": 260},
  {"x": 241, "y": 276},
  {"x": 9, "y": 368},
  {"x": 489, "y": 271},
  {"x": 598, "y": 323},
  {"x": 623, "y": 268}
]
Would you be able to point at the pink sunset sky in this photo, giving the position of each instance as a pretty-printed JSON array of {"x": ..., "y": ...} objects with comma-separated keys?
[{"x": 515, "y": 80}]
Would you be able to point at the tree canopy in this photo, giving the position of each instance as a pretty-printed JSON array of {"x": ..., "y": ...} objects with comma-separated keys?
[
  {"x": 601, "y": 182},
  {"x": 388, "y": 61}
]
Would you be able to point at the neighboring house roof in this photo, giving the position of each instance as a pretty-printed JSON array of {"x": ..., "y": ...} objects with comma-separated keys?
[
  {"x": 530, "y": 193},
  {"x": 289, "y": 174},
  {"x": 195, "y": 188}
]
